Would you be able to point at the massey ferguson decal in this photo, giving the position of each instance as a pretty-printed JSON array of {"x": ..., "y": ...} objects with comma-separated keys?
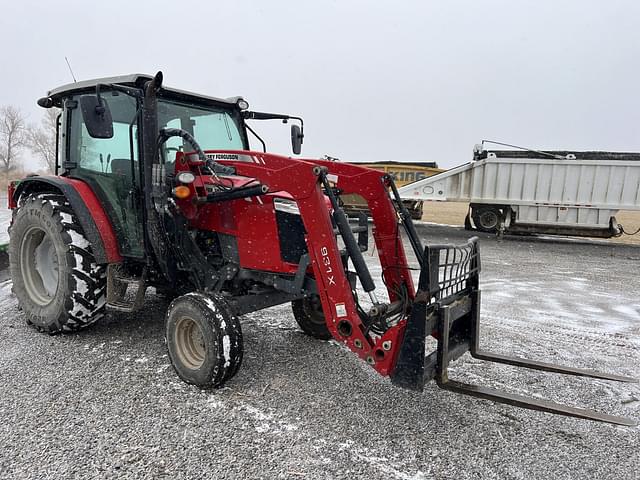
[{"x": 236, "y": 157}]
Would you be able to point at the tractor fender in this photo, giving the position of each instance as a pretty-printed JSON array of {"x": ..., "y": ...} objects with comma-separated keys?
[{"x": 87, "y": 208}]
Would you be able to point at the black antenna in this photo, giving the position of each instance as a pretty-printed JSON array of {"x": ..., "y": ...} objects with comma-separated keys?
[{"x": 72, "y": 75}]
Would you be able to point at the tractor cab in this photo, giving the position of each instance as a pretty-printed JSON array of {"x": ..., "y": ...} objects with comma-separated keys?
[{"x": 101, "y": 143}]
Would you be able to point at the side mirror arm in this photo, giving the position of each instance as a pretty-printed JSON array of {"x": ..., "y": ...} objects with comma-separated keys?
[{"x": 99, "y": 106}]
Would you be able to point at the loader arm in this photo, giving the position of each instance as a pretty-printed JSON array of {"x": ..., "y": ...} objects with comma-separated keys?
[
  {"x": 302, "y": 179},
  {"x": 446, "y": 305}
]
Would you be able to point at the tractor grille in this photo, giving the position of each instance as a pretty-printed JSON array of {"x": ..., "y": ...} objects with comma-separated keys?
[{"x": 291, "y": 234}]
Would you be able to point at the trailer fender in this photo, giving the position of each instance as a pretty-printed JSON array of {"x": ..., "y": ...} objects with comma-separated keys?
[{"x": 88, "y": 209}]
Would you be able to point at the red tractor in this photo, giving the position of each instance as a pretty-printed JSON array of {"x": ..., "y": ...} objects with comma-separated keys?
[{"x": 157, "y": 187}]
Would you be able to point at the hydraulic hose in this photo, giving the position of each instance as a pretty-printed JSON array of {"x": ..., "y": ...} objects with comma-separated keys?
[{"x": 349, "y": 240}]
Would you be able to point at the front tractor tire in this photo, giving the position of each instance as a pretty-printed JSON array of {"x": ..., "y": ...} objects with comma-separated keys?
[
  {"x": 310, "y": 317},
  {"x": 204, "y": 339},
  {"x": 56, "y": 280}
]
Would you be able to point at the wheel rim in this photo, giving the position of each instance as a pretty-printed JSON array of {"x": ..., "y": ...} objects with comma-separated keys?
[
  {"x": 190, "y": 345},
  {"x": 489, "y": 219},
  {"x": 39, "y": 266}
]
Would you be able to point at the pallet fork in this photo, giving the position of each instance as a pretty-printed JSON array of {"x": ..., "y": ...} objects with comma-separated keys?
[{"x": 447, "y": 305}]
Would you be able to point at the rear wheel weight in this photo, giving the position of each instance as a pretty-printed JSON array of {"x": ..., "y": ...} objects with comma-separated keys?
[
  {"x": 204, "y": 339},
  {"x": 310, "y": 317},
  {"x": 58, "y": 285}
]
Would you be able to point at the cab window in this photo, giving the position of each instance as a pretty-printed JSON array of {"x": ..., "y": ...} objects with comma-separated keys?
[
  {"x": 111, "y": 169},
  {"x": 106, "y": 155}
]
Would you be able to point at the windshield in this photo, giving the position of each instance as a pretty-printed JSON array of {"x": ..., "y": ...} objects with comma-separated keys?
[{"x": 214, "y": 128}]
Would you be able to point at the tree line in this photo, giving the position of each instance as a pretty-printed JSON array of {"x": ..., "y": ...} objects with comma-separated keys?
[{"x": 18, "y": 138}]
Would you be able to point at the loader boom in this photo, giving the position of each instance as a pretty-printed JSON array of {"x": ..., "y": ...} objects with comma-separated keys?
[{"x": 303, "y": 180}]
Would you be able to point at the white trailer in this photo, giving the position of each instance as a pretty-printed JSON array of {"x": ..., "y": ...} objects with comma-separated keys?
[{"x": 566, "y": 193}]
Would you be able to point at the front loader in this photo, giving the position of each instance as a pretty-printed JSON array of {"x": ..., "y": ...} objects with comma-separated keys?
[{"x": 157, "y": 187}]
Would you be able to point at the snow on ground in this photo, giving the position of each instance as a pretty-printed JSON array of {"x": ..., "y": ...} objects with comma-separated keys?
[{"x": 105, "y": 403}]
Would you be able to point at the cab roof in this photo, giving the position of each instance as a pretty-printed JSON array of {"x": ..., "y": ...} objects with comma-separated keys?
[{"x": 132, "y": 80}]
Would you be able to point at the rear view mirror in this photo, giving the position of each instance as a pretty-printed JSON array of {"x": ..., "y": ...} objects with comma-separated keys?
[
  {"x": 96, "y": 116},
  {"x": 296, "y": 139}
]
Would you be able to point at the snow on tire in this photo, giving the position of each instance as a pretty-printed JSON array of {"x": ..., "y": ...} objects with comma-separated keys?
[
  {"x": 59, "y": 286},
  {"x": 204, "y": 339}
]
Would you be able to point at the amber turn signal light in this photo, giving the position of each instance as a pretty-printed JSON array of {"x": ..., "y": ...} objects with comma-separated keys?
[{"x": 181, "y": 192}]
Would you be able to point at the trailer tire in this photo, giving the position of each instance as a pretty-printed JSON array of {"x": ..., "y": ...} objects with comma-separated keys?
[
  {"x": 56, "y": 280},
  {"x": 204, "y": 339},
  {"x": 310, "y": 317},
  {"x": 486, "y": 218}
]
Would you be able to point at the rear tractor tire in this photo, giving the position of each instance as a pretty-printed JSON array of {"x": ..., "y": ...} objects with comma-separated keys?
[
  {"x": 310, "y": 317},
  {"x": 204, "y": 339},
  {"x": 59, "y": 286}
]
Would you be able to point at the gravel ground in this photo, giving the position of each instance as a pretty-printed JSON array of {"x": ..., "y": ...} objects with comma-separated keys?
[{"x": 105, "y": 403}]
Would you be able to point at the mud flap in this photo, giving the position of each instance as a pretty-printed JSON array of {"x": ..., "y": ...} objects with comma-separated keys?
[{"x": 448, "y": 307}]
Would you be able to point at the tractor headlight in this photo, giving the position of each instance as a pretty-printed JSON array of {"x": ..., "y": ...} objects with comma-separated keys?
[
  {"x": 185, "y": 177},
  {"x": 243, "y": 104}
]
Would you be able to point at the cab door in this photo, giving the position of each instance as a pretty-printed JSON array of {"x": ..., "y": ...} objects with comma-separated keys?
[{"x": 111, "y": 166}]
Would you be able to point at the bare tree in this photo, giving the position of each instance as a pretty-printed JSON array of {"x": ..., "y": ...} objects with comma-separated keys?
[
  {"x": 42, "y": 139},
  {"x": 13, "y": 136}
]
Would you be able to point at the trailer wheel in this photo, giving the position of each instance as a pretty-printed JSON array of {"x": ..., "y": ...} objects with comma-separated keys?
[
  {"x": 486, "y": 218},
  {"x": 310, "y": 317},
  {"x": 204, "y": 339},
  {"x": 58, "y": 285}
]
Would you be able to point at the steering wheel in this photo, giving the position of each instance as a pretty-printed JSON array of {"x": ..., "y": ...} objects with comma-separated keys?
[{"x": 167, "y": 133}]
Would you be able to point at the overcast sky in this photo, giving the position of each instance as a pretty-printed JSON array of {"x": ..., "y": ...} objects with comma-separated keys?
[{"x": 404, "y": 80}]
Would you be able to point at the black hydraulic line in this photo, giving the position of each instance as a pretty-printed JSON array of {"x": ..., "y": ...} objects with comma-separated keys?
[
  {"x": 237, "y": 193},
  {"x": 349, "y": 239},
  {"x": 410, "y": 228},
  {"x": 166, "y": 133}
]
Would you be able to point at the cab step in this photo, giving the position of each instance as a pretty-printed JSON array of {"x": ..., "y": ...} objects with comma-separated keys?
[{"x": 124, "y": 293}]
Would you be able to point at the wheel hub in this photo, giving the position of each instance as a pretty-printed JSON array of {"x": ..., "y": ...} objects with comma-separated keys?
[
  {"x": 489, "y": 219},
  {"x": 39, "y": 266},
  {"x": 190, "y": 344}
]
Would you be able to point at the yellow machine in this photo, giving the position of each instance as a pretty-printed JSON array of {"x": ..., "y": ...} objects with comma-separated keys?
[{"x": 404, "y": 173}]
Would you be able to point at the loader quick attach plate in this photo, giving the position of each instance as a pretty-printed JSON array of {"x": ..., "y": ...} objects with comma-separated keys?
[{"x": 447, "y": 306}]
